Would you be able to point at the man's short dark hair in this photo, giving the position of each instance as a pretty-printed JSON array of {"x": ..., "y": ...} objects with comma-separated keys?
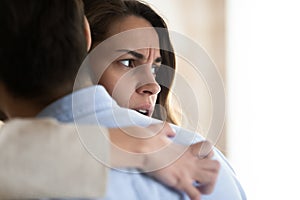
[{"x": 42, "y": 46}]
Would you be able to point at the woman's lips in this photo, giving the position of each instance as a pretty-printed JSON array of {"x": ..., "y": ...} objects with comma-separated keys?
[{"x": 144, "y": 110}]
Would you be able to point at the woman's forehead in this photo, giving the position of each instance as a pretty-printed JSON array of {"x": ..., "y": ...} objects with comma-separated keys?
[{"x": 139, "y": 27}]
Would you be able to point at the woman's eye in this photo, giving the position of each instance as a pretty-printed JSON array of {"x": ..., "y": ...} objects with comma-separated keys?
[
  {"x": 127, "y": 63},
  {"x": 154, "y": 69}
]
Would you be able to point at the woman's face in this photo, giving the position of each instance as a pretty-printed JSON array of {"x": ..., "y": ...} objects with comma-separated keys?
[{"x": 130, "y": 79}]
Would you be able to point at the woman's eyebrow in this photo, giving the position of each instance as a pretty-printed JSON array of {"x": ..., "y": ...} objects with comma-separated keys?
[
  {"x": 133, "y": 53},
  {"x": 138, "y": 55}
]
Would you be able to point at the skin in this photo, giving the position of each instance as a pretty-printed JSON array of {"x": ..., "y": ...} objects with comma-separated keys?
[
  {"x": 142, "y": 62},
  {"x": 130, "y": 80}
]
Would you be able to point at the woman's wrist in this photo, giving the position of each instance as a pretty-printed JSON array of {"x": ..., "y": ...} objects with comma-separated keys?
[
  {"x": 126, "y": 150},
  {"x": 140, "y": 147}
]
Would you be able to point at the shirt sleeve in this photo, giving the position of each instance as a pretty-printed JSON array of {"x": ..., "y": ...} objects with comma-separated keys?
[{"x": 42, "y": 158}]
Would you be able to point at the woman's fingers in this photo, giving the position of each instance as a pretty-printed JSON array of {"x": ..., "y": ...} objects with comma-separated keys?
[
  {"x": 188, "y": 187},
  {"x": 202, "y": 149},
  {"x": 207, "y": 175}
]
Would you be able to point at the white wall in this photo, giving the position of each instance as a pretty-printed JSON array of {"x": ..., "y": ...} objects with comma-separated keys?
[{"x": 264, "y": 96}]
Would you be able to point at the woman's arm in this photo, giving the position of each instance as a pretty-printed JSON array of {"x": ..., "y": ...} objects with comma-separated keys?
[{"x": 47, "y": 150}]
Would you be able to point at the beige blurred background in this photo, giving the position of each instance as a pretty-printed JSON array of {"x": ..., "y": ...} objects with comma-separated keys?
[{"x": 204, "y": 22}]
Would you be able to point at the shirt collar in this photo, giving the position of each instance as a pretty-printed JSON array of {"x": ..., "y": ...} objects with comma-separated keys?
[{"x": 79, "y": 103}]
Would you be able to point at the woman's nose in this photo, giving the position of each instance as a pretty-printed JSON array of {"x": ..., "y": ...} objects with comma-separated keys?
[
  {"x": 150, "y": 88},
  {"x": 147, "y": 83}
]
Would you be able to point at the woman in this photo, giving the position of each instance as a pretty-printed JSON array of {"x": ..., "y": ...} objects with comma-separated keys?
[
  {"x": 131, "y": 78},
  {"x": 106, "y": 15}
]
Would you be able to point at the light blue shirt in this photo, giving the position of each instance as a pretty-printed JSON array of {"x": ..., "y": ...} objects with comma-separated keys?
[{"x": 93, "y": 105}]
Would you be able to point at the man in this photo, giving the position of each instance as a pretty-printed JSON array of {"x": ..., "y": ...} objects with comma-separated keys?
[{"x": 42, "y": 46}]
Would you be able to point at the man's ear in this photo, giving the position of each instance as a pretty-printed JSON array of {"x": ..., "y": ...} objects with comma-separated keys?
[{"x": 87, "y": 32}]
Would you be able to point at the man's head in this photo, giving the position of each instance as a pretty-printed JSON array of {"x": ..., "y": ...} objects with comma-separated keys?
[{"x": 43, "y": 43}]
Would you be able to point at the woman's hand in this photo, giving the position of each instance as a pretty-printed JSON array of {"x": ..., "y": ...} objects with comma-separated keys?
[
  {"x": 192, "y": 173},
  {"x": 186, "y": 168}
]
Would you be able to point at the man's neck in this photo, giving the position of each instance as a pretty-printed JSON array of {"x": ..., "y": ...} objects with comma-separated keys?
[{"x": 22, "y": 107}]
